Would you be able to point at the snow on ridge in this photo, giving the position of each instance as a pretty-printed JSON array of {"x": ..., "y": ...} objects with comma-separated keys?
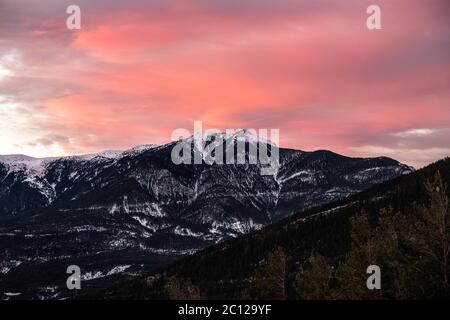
[
  {"x": 186, "y": 232},
  {"x": 4, "y": 270},
  {"x": 118, "y": 269},
  {"x": 12, "y": 294},
  {"x": 109, "y": 154},
  {"x": 35, "y": 169},
  {"x": 248, "y": 136},
  {"x": 239, "y": 226},
  {"x": 236, "y": 135},
  {"x": 17, "y": 162},
  {"x": 305, "y": 176},
  {"x": 37, "y": 166},
  {"x": 139, "y": 149},
  {"x": 8, "y": 158},
  {"x": 92, "y": 275}
]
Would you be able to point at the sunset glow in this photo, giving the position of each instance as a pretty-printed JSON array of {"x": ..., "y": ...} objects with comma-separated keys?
[{"x": 137, "y": 70}]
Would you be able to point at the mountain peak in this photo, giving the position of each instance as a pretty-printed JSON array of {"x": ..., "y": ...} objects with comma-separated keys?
[{"x": 247, "y": 135}]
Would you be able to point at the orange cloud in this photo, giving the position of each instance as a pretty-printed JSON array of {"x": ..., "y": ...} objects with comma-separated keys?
[{"x": 310, "y": 68}]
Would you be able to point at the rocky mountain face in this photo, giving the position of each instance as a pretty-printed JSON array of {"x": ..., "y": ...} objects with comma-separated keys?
[
  {"x": 228, "y": 270},
  {"x": 117, "y": 213}
]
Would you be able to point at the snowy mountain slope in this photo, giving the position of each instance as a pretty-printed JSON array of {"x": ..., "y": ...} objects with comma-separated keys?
[{"x": 138, "y": 208}]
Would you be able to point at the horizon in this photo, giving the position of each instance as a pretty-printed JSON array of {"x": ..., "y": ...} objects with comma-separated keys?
[
  {"x": 143, "y": 69},
  {"x": 166, "y": 143}
]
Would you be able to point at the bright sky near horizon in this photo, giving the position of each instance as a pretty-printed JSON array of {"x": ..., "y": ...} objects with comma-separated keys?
[{"x": 139, "y": 69}]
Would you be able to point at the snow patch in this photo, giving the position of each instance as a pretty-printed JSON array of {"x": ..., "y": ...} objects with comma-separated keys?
[
  {"x": 92, "y": 275},
  {"x": 12, "y": 294},
  {"x": 186, "y": 232}
]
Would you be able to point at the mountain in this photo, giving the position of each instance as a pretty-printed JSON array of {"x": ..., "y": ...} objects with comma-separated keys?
[
  {"x": 116, "y": 214},
  {"x": 226, "y": 270}
]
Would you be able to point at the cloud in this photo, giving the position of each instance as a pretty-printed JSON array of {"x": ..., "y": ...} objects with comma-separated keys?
[
  {"x": 50, "y": 139},
  {"x": 415, "y": 133},
  {"x": 414, "y": 157},
  {"x": 139, "y": 69}
]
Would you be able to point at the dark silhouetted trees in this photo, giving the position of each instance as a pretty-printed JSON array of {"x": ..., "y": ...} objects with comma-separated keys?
[{"x": 270, "y": 276}]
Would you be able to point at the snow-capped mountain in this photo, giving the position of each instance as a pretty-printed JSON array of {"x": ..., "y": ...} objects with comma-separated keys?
[{"x": 120, "y": 212}]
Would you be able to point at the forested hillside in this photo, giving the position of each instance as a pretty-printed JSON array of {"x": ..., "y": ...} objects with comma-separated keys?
[{"x": 402, "y": 225}]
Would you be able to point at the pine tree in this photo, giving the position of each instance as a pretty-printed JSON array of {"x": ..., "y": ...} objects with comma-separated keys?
[
  {"x": 181, "y": 289},
  {"x": 389, "y": 239},
  {"x": 430, "y": 239},
  {"x": 351, "y": 274},
  {"x": 313, "y": 283},
  {"x": 270, "y": 277},
  {"x": 412, "y": 251}
]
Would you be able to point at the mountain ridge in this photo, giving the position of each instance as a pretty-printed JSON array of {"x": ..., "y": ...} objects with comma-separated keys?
[
  {"x": 142, "y": 210},
  {"x": 324, "y": 229}
]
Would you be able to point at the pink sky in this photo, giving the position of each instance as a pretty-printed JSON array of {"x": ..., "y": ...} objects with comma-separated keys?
[{"x": 139, "y": 69}]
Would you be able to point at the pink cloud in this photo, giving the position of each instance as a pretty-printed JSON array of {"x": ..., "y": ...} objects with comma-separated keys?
[{"x": 311, "y": 68}]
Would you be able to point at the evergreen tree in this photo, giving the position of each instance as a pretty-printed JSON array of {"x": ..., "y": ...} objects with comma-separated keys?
[
  {"x": 412, "y": 251},
  {"x": 391, "y": 233},
  {"x": 429, "y": 238},
  {"x": 270, "y": 277},
  {"x": 313, "y": 283},
  {"x": 351, "y": 274},
  {"x": 181, "y": 289}
]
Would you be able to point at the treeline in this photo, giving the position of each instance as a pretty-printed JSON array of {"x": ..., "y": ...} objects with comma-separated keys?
[
  {"x": 410, "y": 250},
  {"x": 323, "y": 253}
]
